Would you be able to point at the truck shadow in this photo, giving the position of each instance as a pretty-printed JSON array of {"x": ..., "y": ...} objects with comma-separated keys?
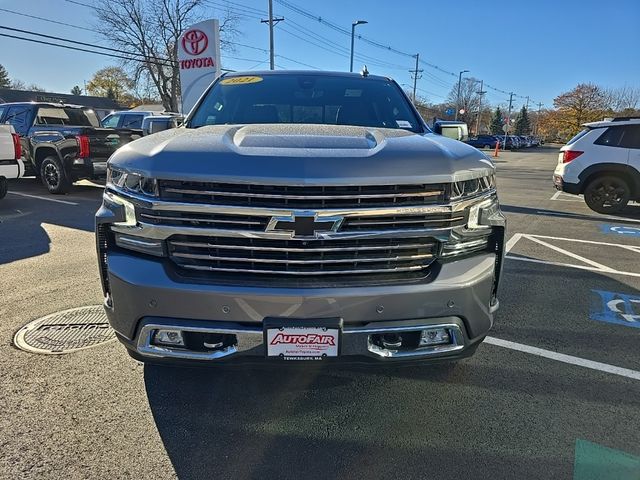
[
  {"x": 329, "y": 423},
  {"x": 22, "y": 217}
]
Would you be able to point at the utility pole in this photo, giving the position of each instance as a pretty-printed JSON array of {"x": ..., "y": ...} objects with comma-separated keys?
[
  {"x": 508, "y": 119},
  {"x": 272, "y": 23},
  {"x": 481, "y": 93},
  {"x": 538, "y": 118},
  {"x": 458, "y": 97},
  {"x": 415, "y": 73},
  {"x": 527, "y": 107}
]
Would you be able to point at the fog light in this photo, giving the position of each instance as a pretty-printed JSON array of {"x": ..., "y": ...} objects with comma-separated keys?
[
  {"x": 171, "y": 338},
  {"x": 435, "y": 336}
]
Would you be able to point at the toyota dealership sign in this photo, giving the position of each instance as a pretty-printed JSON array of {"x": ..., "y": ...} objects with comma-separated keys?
[{"x": 199, "y": 60}]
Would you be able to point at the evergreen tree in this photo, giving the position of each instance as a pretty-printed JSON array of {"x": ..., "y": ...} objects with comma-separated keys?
[
  {"x": 4, "y": 78},
  {"x": 111, "y": 93},
  {"x": 497, "y": 122},
  {"x": 76, "y": 90},
  {"x": 523, "y": 125}
]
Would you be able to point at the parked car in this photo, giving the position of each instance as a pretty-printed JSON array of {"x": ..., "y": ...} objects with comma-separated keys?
[
  {"x": 508, "y": 142},
  {"x": 281, "y": 224},
  {"x": 603, "y": 163},
  {"x": 127, "y": 119},
  {"x": 11, "y": 165},
  {"x": 158, "y": 123},
  {"x": 63, "y": 143},
  {"x": 482, "y": 141}
]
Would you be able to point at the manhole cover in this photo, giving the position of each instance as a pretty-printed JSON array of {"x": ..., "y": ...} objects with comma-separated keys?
[{"x": 66, "y": 331}]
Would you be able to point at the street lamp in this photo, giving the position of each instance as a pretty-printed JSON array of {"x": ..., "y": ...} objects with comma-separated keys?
[
  {"x": 458, "y": 98},
  {"x": 353, "y": 34}
]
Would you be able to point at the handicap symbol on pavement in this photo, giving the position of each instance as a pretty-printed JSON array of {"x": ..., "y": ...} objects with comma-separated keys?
[
  {"x": 620, "y": 230},
  {"x": 619, "y": 308}
]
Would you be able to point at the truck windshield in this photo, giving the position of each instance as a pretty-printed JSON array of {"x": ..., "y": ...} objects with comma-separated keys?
[
  {"x": 316, "y": 99},
  {"x": 79, "y": 117}
]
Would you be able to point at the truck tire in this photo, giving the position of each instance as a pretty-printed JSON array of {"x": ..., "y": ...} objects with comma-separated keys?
[
  {"x": 4, "y": 187},
  {"x": 607, "y": 194},
  {"x": 53, "y": 176}
]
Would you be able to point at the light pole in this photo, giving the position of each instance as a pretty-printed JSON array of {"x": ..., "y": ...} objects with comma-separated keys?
[
  {"x": 353, "y": 35},
  {"x": 458, "y": 98}
]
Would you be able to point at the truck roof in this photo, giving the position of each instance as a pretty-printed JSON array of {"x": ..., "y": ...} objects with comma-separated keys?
[
  {"x": 46, "y": 104},
  {"x": 322, "y": 73}
]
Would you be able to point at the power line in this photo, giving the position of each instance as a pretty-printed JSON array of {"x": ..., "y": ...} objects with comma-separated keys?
[
  {"x": 105, "y": 54},
  {"x": 301, "y": 11},
  {"x": 45, "y": 19},
  {"x": 52, "y": 37},
  {"x": 154, "y": 60}
]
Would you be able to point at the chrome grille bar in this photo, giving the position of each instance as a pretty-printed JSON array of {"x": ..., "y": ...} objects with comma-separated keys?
[
  {"x": 434, "y": 193},
  {"x": 286, "y": 261},
  {"x": 325, "y": 272},
  {"x": 301, "y": 250},
  {"x": 198, "y": 219}
]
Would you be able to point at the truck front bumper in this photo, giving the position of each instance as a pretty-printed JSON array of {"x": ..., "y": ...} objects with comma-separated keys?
[{"x": 146, "y": 295}]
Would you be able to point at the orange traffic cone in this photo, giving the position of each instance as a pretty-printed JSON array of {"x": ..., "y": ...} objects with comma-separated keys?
[{"x": 495, "y": 154}]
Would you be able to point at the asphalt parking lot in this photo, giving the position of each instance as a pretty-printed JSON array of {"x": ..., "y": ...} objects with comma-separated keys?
[{"x": 553, "y": 393}]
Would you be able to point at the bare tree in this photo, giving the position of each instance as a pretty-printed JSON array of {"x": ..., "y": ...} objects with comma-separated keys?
[
  {"x": 148, "y": 31},
  {"x": 469, "y": 99},
  {"x": 623, "y": 98}
]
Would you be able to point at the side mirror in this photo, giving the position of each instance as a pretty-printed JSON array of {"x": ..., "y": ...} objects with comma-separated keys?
[{"x": 457, "y": 132}]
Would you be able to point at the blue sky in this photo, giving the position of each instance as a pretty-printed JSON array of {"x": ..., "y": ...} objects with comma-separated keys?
[{"x": 538, "y": 48}]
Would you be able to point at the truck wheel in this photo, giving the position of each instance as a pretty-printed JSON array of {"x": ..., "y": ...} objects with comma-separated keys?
[
  {"x": 53, "y": 176},
  {"x": 4, "y": 187},
  {"x": 607, "y": 194}
]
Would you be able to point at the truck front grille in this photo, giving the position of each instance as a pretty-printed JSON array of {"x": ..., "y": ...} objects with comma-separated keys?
[
  {"x": 403, "y": 222},
  {"x": 202, "y": 219},
  {"x": 303, "y": 197},
  {"x": 258, "y": 223},
  {"x": 310, "y": 259}
]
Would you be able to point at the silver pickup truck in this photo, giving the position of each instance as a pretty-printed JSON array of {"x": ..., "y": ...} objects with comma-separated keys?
[{"x": 300, "y": 216}]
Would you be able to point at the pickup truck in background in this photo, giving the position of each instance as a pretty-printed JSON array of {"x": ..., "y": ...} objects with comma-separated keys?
[
  {"x": 11, "y": 166},
  {"x": 63, "y": 143}
]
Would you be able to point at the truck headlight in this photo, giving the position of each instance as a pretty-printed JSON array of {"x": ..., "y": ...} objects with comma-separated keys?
[
  {"x": 475, "y": 236},
  {"x": 128, "y": 207},
  {"x": 473, "y": 187},
  {"x": 131, "y": 182}
]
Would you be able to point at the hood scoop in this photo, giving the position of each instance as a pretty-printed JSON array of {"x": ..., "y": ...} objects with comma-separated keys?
[{"x": 315, "y": 137}]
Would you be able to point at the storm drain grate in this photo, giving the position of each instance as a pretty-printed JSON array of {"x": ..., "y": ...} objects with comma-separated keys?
[{"x": 66, "y": 331}]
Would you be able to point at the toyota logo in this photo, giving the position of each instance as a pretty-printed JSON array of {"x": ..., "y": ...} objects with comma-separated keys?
[{"x": 195, "y": 42}]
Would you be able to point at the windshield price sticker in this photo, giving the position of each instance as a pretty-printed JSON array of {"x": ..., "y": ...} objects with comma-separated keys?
[
  {"x": 302, "y": 343},
  {"x": 240, "y": 80}
]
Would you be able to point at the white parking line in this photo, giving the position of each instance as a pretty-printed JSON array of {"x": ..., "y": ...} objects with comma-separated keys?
[
  {"x": 43, "y": 198},
  {"x": 572, "y": 198},
  {"x": 512, "y": 241},
  {"x": 561, "y": 357},
  {"x": 599, "y": 266},
  {"x": 592, "y": 242},
  {"x": 594, "y": 266}
]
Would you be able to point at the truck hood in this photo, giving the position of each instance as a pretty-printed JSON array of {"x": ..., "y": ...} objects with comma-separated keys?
[{"x": 301, "y": 155}]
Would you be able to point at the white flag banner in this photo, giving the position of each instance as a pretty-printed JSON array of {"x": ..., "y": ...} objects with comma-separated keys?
[{"x": 199, "y": 60}]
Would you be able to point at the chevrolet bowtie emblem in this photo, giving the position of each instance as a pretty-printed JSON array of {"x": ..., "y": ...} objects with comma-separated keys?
[{"x": 304, "y": 225}]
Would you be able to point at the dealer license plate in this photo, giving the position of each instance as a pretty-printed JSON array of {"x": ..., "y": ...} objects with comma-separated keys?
[{"x": 302, "y": 342}]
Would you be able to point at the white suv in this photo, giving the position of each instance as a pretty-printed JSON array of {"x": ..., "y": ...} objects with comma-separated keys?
[{"x": 603, "y": 163}]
